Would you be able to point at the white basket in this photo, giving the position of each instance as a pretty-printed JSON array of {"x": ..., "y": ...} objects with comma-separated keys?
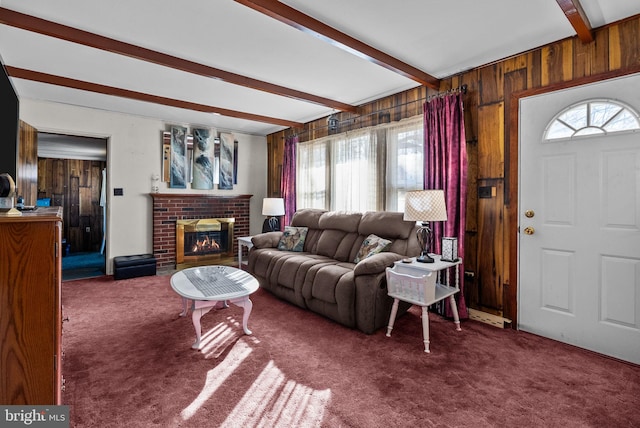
[{"x": 418, "y": 290}]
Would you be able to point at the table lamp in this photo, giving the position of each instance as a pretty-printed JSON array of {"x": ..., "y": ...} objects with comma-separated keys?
[
  {"x": 273, "y": 208},
  {"x": 425, "y": 206}
]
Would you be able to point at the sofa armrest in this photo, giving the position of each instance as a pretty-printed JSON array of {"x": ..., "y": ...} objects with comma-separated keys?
[
  {"x": 376, "y": 263},
  {"x": 266, "y": 240}
]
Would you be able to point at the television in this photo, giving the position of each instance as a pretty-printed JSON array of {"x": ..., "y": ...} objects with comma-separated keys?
[{"x": 9, "y": 124}]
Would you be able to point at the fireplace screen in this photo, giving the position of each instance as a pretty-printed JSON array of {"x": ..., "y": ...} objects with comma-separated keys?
[{"x": 201, "y": 241}]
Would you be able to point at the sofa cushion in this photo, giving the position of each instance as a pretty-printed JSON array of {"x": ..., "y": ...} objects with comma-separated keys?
[
  {"x": 339, "y": 235},
  {"x": 376, "y": 263},
  {"x": 340, "y": 220},
  {"x": 392, "y": 226},
  {"x": 330, "y": 290},
  {"x": 309, "y": 217},
  {"x": 266, "y": 240},
  {"x": 292, "y": 238},
  {"x": 263, "y": 260},
  {"x": 286, "y": 269},
  {"x": 386, "y": 224},
  {"x": 371, "y": 245},
  {"x": 337, "y": 244},
  {"x": 322, "y": 281}
]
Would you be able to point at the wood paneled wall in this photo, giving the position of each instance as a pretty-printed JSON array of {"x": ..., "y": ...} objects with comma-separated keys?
[
  {"x": 75, "y": 185},
  {"x": 27, "y": 171},
  {"x": 491, "y": 118}
]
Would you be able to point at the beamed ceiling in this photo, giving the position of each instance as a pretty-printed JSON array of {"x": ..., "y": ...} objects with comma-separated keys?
[{"x": 259, "y": 66}]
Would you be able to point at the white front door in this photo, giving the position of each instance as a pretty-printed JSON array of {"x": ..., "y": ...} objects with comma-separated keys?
[{"x": 579, "y": 202}]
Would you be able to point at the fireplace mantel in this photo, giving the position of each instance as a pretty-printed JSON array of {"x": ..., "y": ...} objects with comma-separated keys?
[
  {"x": 170, "y": 207},
  {"x": 196, "y": 196}
]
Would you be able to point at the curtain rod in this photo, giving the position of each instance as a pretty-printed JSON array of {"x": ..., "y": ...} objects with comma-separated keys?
[{"x": 460, "y": 89}]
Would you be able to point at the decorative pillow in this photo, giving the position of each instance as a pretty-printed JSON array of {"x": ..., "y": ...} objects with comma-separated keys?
[
  {"x": 293, "y": 238},
  {"x": 371, "y": 245}
]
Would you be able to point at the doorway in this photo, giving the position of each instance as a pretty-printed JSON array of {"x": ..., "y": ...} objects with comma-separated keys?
[
  {"x": 72, "y": 174},
  {"x": 579, "y": 217}
]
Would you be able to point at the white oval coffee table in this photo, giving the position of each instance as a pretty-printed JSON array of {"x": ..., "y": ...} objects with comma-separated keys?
[{"x": 211, "y": 286}]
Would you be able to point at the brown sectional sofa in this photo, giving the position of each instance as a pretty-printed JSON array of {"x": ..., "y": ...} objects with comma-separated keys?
[{"x": 323, "y": 276}]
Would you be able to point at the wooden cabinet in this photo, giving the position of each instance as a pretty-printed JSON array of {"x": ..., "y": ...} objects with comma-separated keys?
[{"x": 30, "y": 308}]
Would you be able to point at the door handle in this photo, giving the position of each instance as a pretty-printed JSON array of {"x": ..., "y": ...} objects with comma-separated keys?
[{"x": 529, "y": 230}]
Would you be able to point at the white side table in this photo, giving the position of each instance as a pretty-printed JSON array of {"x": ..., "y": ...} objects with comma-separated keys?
[
  {"x": 443, "y": 287},
  {"x": 243, "y": 241}
]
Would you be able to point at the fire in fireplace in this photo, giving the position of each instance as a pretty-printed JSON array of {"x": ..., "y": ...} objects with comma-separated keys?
[{"x": 202, "y": 241}]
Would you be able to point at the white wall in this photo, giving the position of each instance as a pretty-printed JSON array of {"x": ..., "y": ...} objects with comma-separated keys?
[{"x": 134, "y": 153}]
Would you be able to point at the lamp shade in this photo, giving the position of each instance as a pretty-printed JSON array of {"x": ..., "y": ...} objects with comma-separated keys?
[
  {"x": 425, "y": 205},
  {"x": 273, "y": 206}
]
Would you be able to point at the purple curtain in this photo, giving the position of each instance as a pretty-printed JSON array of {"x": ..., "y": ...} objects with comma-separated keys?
[
  {"x": 446, "y": 168},
  {"x": 288, "y": 181}
]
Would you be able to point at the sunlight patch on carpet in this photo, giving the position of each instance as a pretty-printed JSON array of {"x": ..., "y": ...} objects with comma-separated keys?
[
  {"x": 214, "y": 342},
  {"x": 275, "y": 401},
  {"x": 217, "y": 376}
]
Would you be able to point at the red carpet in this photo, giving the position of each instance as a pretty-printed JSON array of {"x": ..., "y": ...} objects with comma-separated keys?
[{"x": 128, "y": 363}]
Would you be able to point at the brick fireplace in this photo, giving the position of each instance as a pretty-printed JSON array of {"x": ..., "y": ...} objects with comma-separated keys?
[{"x": 168, "y": 208}]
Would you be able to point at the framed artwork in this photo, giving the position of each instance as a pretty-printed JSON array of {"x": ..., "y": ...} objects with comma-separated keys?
[
  {"x": 226, "y": 161},
  {"x": 166, "y": 156},
  {"x": 216, "y": 161},
  {"x": 235, "y": 162},
  {"x": 189, "y": 158},
  {"x": 179, "y": 174},
  {"x": 203, "y": 159}
]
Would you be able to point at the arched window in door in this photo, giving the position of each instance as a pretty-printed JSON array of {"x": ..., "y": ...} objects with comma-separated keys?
[{"x": 591, "y": 118}]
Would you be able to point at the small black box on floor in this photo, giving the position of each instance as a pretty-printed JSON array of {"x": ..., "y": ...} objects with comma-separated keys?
[{"x": 134, "y": 266}]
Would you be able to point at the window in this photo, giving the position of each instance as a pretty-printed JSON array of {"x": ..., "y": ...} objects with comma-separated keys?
[
  {"x": 364, "y": 170},
  {"x": 312, "y": 176},
  {"x": 405, "y": 161},
  {"x": 590, "y": 118},
  {"x": 354, "y": 181}
]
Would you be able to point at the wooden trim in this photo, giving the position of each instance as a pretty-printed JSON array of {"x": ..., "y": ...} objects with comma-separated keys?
[
  {"x": 577, "y": 82},
  {"x": 578, "y": 19},
  {"x": 64, "y": 32},
  {"x": 510, "y": 296},
  {"x": 307, "y": 24},
  {"x": 21, "y": 73}
]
